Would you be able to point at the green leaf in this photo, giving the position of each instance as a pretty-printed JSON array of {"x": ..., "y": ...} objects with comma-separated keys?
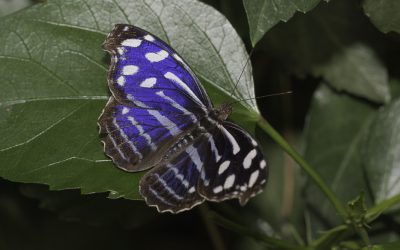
[
  {"x": 384, "y": 14},
  {"x": 53, "y": 83},
  {"x": 385, "y": 246},
  {"x": 334, "y": 134},
  {"x": 262, "y": 15},
  {"x": 357, "y": 70},
  {"x": 381, "y": 155},
  {"x": 334, "y": 41}
]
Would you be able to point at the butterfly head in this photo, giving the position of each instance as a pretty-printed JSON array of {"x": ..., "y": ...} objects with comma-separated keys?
[{"x": 222, "y": 112}]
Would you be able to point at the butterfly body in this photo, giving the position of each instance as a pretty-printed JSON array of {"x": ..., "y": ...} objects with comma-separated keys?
[{"x": 160, "y": 117}]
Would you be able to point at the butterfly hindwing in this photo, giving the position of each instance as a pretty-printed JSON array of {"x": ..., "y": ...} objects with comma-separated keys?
[
  {"x": 238, "y": 170},
  {"x": 172, "y": 184}
]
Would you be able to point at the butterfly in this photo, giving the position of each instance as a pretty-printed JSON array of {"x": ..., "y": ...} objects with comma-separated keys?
[{"x": 159, "y": 117}]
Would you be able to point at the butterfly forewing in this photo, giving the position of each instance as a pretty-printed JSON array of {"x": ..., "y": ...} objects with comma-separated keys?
[
  {"x": 160, "y": 116},
  {"x": 155, "y": 99}
]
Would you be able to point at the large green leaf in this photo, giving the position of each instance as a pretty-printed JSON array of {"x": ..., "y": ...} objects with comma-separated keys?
[
  {"x": 53, "y": 83},
  {"x": 334, "y": 134},
  {"x": 382, "y": 153},
  {"x": 334, "y": 41},
  {"x": 262, "y": 15},
  {"x": 384, "y": 14}
]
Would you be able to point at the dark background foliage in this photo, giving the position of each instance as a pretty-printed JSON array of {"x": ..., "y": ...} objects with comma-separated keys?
[{"x": 339, "y": 59}]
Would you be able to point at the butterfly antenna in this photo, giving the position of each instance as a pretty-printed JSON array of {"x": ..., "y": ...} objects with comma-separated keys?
[
  {"x": 262, "y": 96},
  {"x": 241, "y": 73}
]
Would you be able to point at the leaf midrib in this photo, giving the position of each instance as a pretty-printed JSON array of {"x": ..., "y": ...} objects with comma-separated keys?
[{"x": 59, "y": 98}]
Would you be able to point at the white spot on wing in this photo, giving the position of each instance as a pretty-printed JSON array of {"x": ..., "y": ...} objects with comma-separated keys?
[
  {"x": 121, "y": 81},
  {"x": 131, "y": 43},
  {"x": 149, "y": 38},
  {"x": 156, "y": 57},
  {"x": 229, "y": 181},
  {"x": 235, "y": 145},
  {"x": 121, "y": 51},
  {"x": 217, "y": 189},
  {"x": 249, "y": 158},
  {"x": 224, "y": 166},
  {"x": 149, "y": 82},
  {"x": 191, "y": 190},
  {"x": 129, "y": 70},
  {"x": 125, "y": 110},
  {"x": 253, "y": 177},
  {"x": 263, "y": 164}
]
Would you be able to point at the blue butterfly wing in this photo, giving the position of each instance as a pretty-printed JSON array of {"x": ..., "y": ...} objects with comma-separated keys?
[
  {"x": 136, "y": 138},
  {"x": 172, "y": 184},
  {"x": 155, "y": 99},
  {"x": 143, "y": 65}
]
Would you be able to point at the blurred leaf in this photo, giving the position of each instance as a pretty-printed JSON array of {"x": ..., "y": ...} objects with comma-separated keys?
[
  {"x": 281, "y": 201},
  {"x": 93, "y": 209},
  {"x": 381, "y": 207},
  {"x": 384, "y": 14},
  {"x": 357, "y": 70},
  {"x": 53, "y": 83},
  {"x": 395, "y": 88},
  {"x": 334, "y": 41},
  {"x": 381, "y": 153},
  {"x": 386, "y": 246},
  {"x": 334, "y": 134},
  {"x": 262, "y": 15}
]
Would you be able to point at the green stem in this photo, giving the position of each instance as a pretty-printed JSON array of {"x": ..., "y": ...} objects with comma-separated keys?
[
  {"x": 376, "y": 210},
  {"x": 212, "y": 229},
  {"x": 305, "y": 166}
]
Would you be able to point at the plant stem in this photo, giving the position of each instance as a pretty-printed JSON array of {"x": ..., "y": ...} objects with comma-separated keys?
[
  {"x": 211, "y": 228},
  {"x": 305, "y": 166},
  {"x": 376, "y": 210}
]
